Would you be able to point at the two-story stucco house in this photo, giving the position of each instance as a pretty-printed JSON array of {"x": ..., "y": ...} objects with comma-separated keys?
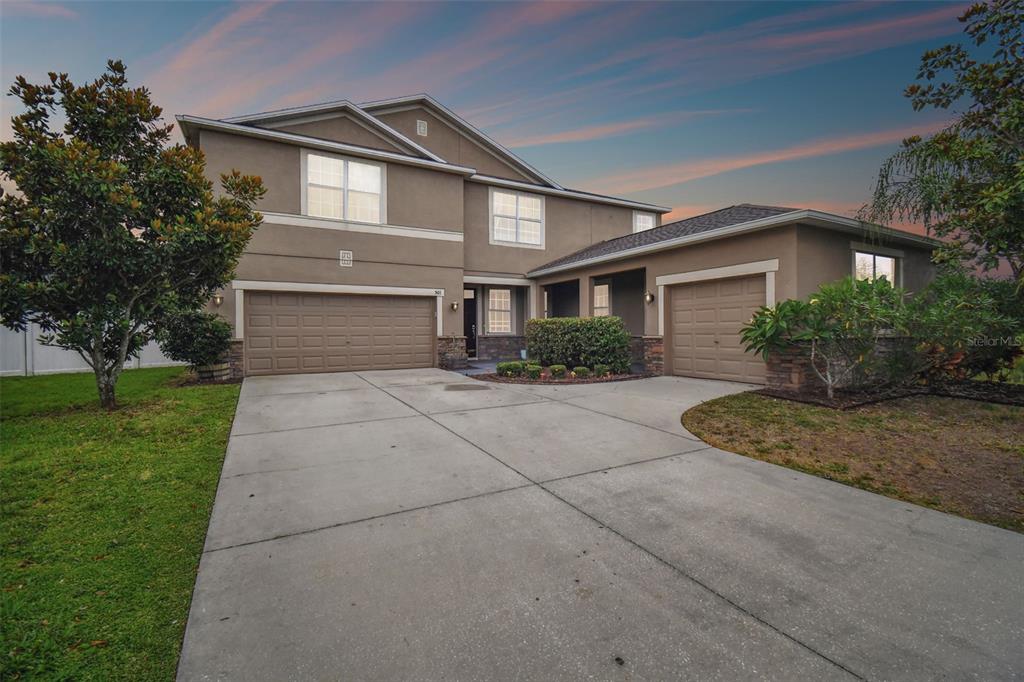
[{"x": 398, "y": 235}]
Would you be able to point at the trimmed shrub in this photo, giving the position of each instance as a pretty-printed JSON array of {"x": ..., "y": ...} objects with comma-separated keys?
[
  {"x": 579, "y": 341},
  {"x": 198, "y": 338},
  {"x": 533, "y": 371},
  {"x": 514, "y": 368},
  {"x": 581, "y": 372},
  {"x": 602, "y": 370},
  {"x": 557, "y": 371}
]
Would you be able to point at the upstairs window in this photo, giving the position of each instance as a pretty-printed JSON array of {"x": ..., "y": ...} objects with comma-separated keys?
[
  {"x": 344, "y": 189},
  {"x": 499, "y": 311},
  {"x": 872, "y": 266},
  {"x": 642, "y": 221},
  {"x": 602, "y": 300},
  {"x": 517, "y": 218}
]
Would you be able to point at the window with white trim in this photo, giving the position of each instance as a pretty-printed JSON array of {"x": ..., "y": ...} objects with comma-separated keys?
[
  {"x": 872, "y": 266},
  {"x": 517, "y": 218},
  {"x": 344, "y": 189},
  {"x": 642, "y": 221},
  {"x": 602, "y": 300},
  {"x": 499, "y": 311}
]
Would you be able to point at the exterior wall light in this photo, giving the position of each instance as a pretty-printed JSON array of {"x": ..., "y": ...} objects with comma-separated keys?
[
  {"x": 648, "y": 297},
  {"x": 455, "y": 305},
  {"x": 217, "y": 300}
]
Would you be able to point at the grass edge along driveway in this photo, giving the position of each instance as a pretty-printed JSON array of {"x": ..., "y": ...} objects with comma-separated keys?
[
  {"x": 103, "y": 520},
  {"x": 963, "y": 457}
]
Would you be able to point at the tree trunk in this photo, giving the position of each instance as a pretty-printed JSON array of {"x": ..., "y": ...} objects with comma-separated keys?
[{"x": 105, "y": 384}]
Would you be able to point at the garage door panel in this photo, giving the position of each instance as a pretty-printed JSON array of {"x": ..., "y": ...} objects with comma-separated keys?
[
  {"x": 706, "y": 318},
  {"x": 337, "y": 332}
]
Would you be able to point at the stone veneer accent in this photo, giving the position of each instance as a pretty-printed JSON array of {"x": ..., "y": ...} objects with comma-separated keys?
[
  {"x": 451, "y": 352},
  {"x": 236, "y": 358},
  {"x": 789, "y": 369},
  {"x": 499, "y": 347},
  {"x": 654, "y": 354}
]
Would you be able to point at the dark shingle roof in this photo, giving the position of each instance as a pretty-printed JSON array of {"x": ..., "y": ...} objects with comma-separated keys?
[{"x": 724, "y": 217}]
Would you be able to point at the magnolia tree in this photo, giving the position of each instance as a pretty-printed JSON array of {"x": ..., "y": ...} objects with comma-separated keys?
[
  {"x": 112, "y": 229},
  {"x": 966, "y": 182}
]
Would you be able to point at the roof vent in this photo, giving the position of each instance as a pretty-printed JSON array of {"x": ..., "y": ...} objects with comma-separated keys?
[{"x": 421, "y": 128}]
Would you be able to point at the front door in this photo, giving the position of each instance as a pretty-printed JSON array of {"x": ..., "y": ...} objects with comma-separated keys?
[{"x": 469, "y": 320}]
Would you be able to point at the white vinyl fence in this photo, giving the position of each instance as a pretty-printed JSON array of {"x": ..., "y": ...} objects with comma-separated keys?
[{"x": 21, "y": 354}]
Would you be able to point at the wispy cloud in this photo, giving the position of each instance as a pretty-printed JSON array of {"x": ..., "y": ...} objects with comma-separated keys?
[
  {"x": 668, "y": 175},
  {"x": 38, "y": 9},
  {"x": 613, "y": 129}
]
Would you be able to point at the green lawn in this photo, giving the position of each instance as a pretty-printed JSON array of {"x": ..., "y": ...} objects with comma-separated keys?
[{"x": 103, "y": 519}]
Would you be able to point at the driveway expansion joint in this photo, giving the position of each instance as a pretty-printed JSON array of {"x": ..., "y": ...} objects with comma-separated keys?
[{"x": 678, "y": 570}]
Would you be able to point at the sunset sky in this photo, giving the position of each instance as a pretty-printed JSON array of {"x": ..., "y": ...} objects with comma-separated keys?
[{"x": 689, "y": 105}]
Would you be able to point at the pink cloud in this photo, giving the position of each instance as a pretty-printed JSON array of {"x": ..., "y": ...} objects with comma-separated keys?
[
  {"x": 667, "y": 175},
  {"x": 204, "y": 52},
  {"x": 38, "y": 9},
  {"x": 605, "y": 130},
  {"x": 491, "y": 41},
  {"x": 369, "y": 26},
  {"x": 688, "y": 211}
]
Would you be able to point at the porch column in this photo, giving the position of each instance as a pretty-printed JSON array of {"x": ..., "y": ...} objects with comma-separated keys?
[{"x": 585, "y": 285}]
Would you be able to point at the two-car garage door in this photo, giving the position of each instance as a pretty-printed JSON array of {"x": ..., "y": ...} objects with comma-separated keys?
[
  {"x": 289, "y": 333},
  {"x": 704, "y": 323}
]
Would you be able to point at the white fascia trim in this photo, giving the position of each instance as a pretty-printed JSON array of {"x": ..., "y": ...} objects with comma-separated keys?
[
  {"x": 504, "y": 281},
  {"x": 333, "y": 108},
  {"x": 269, "y": 217},
  {"x": 467, "y": 127},
  {"x": 314, "y": 143},
  {"x": 316, "y": 288},
  {"x": 540, "y": 189},
  {"x": 740, "y": 270}
]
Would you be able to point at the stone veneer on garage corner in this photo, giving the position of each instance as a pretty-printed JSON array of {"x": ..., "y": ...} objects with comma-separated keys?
[
  {"x": 654, "y": 354},
  {"x": 451, "y": 352}
]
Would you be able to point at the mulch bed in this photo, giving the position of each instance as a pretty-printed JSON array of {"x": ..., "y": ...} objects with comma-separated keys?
[
  {"x": 985, "y": 391},
  {"x": 499, "y": 379}
]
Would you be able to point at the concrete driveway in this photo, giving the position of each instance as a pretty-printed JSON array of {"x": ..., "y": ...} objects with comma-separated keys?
[{"x": 418, "y": 524}]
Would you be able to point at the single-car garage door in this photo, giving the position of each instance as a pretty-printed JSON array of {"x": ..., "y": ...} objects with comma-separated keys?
[
  {"x": 289, "y": 333},
  {"x": 705, "y": 320}
]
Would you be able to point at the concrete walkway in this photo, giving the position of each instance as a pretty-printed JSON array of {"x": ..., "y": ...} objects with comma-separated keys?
[{"x": 418, "y": 524}]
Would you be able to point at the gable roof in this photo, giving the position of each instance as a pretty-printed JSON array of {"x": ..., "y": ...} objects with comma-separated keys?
[
  {"x": 721, "y": 223},
  {"x": 342, "y": 107},
  {"x": 463, "y": 126},
  {"x": 190, "y": 124}
]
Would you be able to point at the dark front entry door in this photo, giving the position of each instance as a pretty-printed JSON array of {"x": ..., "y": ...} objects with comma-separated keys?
[{"x": 469, "y": 321}]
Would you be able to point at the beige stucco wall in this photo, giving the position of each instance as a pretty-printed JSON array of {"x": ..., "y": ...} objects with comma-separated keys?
[
  {"x": 420, "y": 197},
  {"x": 808, "y": 257},
  {"x": 569, "y": 225},
  {"x": 416, "y": 197},
  {"x": 827, "y": 256},
  {"x": 343, "y": 129},
  {"x": 276, "y": 163},
  {"x": 450, "y": 144},
  {"x": 778, "y": 243}
]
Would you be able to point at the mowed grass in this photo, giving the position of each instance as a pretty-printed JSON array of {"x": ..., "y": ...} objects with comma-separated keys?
[
  {"x": 964, "y": 457},
  {"x": 103, "y": 520}
]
